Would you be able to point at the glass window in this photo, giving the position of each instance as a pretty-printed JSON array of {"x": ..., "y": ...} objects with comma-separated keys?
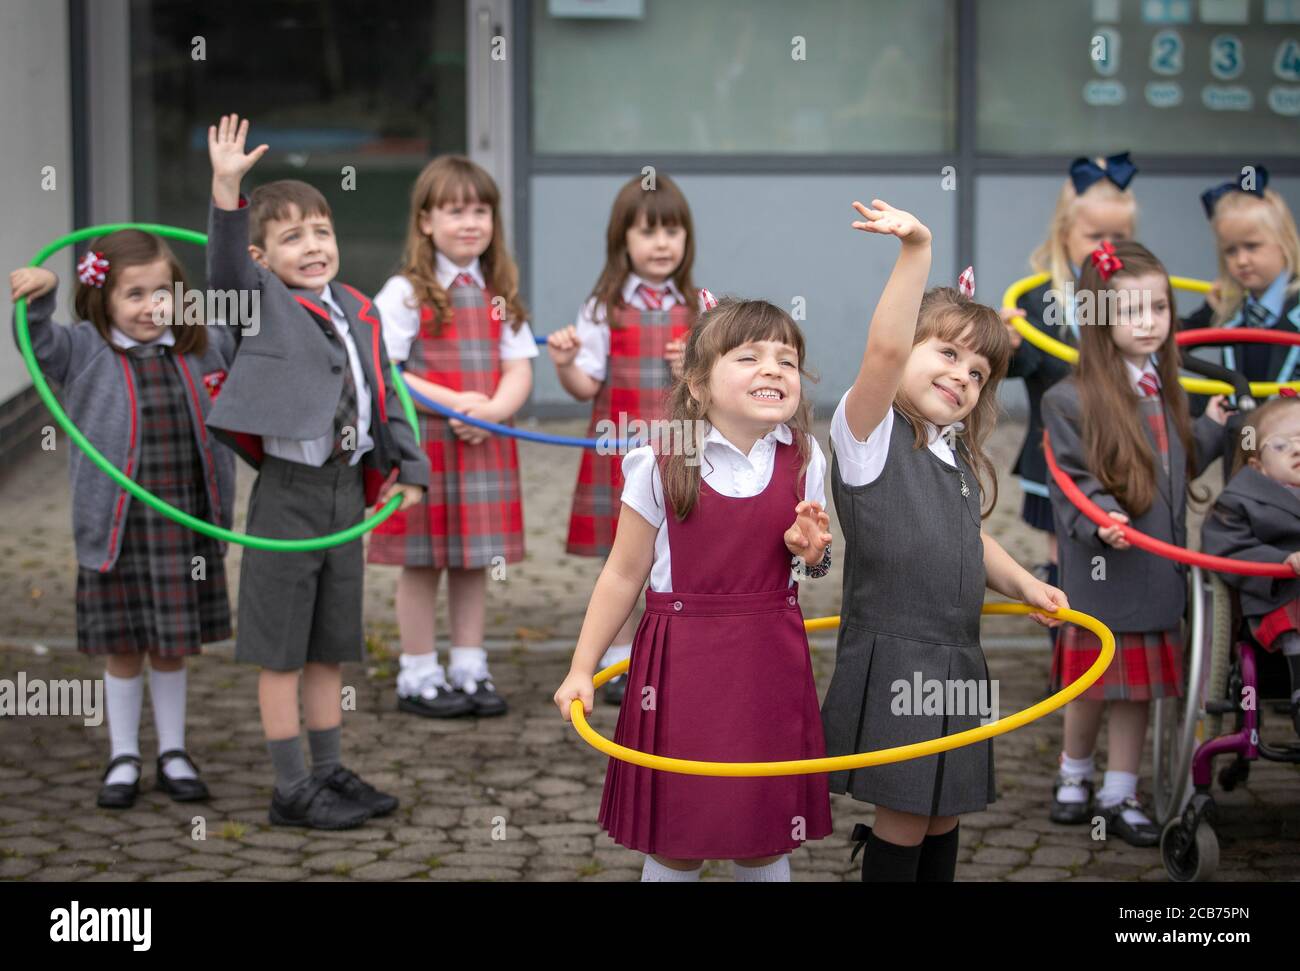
[
  {"x": 765, "y": 76},
  {"x": 1157, "y": 76},
  {"x": 326, "y": 83}
]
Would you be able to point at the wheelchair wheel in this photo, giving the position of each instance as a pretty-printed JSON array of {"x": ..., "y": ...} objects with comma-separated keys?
[
  {"x": 1177, "y": 719},
  {"x": 1216, "y": 683},
  {"x": 1189, "y": 857}
]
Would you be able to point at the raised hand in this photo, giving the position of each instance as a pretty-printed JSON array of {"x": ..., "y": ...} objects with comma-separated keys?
[
  {"x": 229, "y": 160},
  {"x": 31, "y": 282},
  {"x": 808, "y": 536},
  {"x": 888, "y": 221}
]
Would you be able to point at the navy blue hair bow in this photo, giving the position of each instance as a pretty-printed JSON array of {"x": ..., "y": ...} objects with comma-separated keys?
[
  {"x": 1211, "y": 196},
  {"x": 1119, "y": 169}
]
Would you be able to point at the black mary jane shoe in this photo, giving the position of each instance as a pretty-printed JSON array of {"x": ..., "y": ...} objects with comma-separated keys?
[
  {"x": 1140, "y": 834},
  {"x": 120, "y": 795},
  {"x": 351, "y": 786},
  {"x": 1072, "y": 813},
  {"x": 614, "y": 691},
  {"x": 483, "y": 693},
  {"x": 181, "y": 790},
  {"x": 446, "y": 702}
]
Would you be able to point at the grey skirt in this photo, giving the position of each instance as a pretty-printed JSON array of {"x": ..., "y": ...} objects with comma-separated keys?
[{"x": 889, "y": 691}]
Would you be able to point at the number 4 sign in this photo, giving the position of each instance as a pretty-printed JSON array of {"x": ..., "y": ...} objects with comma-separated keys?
[{"x": 1286, "y": 63}]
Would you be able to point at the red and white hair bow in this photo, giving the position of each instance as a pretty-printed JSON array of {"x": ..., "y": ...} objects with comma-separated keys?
[
  {"x": 1105, "y": 260},
  {"x": 707, "y": 300},
  {"x": 92, "y": 269},
  {"x": 966, "y": 282}
]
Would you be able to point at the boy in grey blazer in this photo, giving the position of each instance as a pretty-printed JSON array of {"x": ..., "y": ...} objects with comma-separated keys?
[{"x": 307, "y": 403}]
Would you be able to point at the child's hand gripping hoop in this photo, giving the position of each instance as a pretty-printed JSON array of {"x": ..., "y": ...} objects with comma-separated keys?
[
  {"x": 1050, "y": 345},
  {"x": 110, "y": 470},
  {"x": 862, "y": 760}
]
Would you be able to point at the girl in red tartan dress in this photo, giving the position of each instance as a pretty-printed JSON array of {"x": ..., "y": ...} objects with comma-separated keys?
[
  {"x": 1119, "y": 426},
  {"x": 623, "y": 355},
  {"x": 454, "y": 317}
]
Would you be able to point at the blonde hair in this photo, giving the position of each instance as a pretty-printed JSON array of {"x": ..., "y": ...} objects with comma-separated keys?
[
  {"x": 948, "y": 315},
  {"x": 1051, "y": 256},
  {"x": 1272, "y": 213}
]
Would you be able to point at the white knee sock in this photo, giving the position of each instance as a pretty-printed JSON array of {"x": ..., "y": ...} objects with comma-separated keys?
[
  {"x": 467, "y": 664},
  {"x": 777, "y": 872},
  {"x": 1075, "y": 768},
  {"x": 167, "y": 692},
  {"x": 124, "y": 698},
  {"x": 656, "y": 872},
  {"x": 613, "y": 654},
  {"x": 1115, "y": 788}
]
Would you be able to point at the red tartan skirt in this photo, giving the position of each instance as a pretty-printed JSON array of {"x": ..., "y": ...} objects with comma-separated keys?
[
  {"x": 1271, "y": 626},
  {"x": 472, "y": 511},
  {"x": 1145, "y": 666}
]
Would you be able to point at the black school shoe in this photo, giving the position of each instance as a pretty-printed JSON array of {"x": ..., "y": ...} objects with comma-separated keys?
[
  {"x": 314, "y": 805},
  {"x": 614, "y": 690},
  {"x": 1072, "y": 813},
  {"x": 120, "y": 795},
  {"x": 1142, "y": 834},
  {"x": 181, "y": 790},
  {"x": 447, "y": 702},
  {"x": 483, "y": 696},
  {"x": 352, "y": 787}
]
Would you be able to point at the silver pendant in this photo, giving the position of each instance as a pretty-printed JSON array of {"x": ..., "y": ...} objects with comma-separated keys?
[{"x": 965, "y": 489}]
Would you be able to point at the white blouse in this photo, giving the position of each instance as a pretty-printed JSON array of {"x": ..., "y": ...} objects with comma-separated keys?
[
  {"x": 401, "y": 315},
  {"x": 862, "y": 462},
  {"x": 726, "y": 470},
  {"x": 593, "y": 326}
]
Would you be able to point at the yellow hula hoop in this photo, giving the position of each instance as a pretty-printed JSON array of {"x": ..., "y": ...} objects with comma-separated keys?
[
  {"x": 1050, "y": 345},
  {"x": 861, "y": 760}
]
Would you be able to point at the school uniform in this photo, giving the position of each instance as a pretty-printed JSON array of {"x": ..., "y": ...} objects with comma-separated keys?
[
  {"x": 143, "y": 407},
  {"x": 720, "y": 668},
  {"x": 1258, "y": 519},
  {"x": 625, "y": 354},
  {"x": 913, "y": 591},
  {"x": 1040, "y": 371},
  {"x": 1139, "y": 596},
  {"x": 472, "y": 512},
  {"x": 1275, "y": 309},
  {"x": 313, "y": 375}
]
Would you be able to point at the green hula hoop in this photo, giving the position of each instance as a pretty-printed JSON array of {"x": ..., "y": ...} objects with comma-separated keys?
[{"x": 114, "y": 473}]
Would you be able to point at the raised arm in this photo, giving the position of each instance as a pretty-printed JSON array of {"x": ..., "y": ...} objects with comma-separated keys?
[
  {"x": 893, "y": 325},
  {"x": 229, "y": 264}
]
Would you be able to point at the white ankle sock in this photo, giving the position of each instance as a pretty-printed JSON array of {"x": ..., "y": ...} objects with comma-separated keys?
[
  {"x": 124, "y": 698},
  {"x": 615, "y": 653},
  {"x": 1115, "y": 788},
  {"x": 1071, "y": 769},
  {"x": 167, "y": 692},
  {"x": 776, "y": 872},
  {"x": 656, "y": 872},
  {"x": 467, "y": 664},
  {"x": 420, "y": 675}
]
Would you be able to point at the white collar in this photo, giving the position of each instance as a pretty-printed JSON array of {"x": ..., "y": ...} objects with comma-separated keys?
[
  {"x": 633, "y": 281},
  {"x": 781, "y": 433},
  {"x": 448, "y": 271},
  {"x": 167, "y": 339},
  {"x": 1135, "y": 374},
  {"x": 330, "y": 302},
  {"x": 934, "y": 433}
]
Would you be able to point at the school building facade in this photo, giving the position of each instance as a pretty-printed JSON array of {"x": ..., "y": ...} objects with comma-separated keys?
[{"x": 772, "y": 116}]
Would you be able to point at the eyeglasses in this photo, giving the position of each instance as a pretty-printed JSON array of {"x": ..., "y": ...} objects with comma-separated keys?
[{"x": 1280, "y": 445}]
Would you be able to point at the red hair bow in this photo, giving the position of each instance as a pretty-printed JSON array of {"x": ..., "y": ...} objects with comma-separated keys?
[{"x": 1105, "y": 260}]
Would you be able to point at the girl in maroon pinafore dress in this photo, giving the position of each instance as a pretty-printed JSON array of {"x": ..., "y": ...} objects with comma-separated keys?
[{"x": 720, "y": 669}]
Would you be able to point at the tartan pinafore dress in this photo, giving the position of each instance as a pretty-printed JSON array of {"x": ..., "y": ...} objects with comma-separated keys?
[
  {"x": 150, "y": 599},
  {"x": 472, "y": 511},
  {"x": 720, "y": 671},
  {"x": 637, "y": 381},
  {"x": 1146, "y": 665}
]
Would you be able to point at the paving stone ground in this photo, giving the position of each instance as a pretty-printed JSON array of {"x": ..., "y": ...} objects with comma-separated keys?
[{"x": 512, "y": 798}]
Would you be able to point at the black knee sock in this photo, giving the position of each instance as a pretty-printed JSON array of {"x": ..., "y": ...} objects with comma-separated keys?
[
  {"x": 938, "y": 862},
  {"x": 886, "y": 862}
]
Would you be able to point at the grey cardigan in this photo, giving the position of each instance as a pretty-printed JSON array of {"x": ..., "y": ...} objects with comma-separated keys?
[
  {"x": 98, "y": 393},
  {"x": 287, "y": 377},
  {"x": 1130, "y": 591},
  {"x": 1255, "y": 519}
]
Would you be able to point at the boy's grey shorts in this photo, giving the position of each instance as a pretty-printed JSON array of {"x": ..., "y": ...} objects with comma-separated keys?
[{"x": 299, "y": 607}]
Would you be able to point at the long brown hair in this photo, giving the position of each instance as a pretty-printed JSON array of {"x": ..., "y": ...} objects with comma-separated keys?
[
  {"x": 664, "y": 204},
  {"x": 720, "y": 330},
  {"x": 1116, "y": 448},
  {"x": 451, "y": 179},
  {"x": 1257, "y": 421},
  {"x": 947, "y": 315},
  {"x": 123, "y": 249}
]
